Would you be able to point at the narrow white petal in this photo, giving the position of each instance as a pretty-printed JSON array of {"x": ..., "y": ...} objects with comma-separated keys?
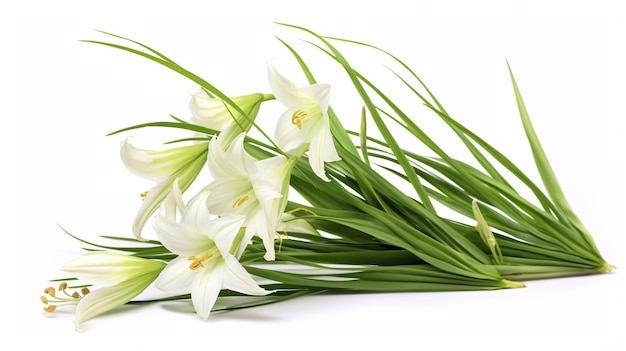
[
  {"x": 271, "y": 172},
  {"x": 236, "y": 278},
  {"x": 259, "y": 224},
  {"x": 156, "y": 195},
  {"x": 284, "y": 90},
  {"x": 180, "y": 238},
  {"x": 209, "y": 112},
  {"x": 224, "y": 230},
  {"x": 109, "y": 268},
  {"x": 316, "y": 161},
  {"x": 176, "y": 277},
  {"x": 320, "y": 93},
  {"x": 231, "y": 197},
  {"x": 98, "y": 302},
  {"x": 196, "y": 213},
  {"x": 173, "y": 202},
  {"x": 322, "y": 150},
  {"x": 104, "y": 299},
  {"x": 329, "y": 152},
  {"x": 141, "y": 162},
  {"x": 230, "y": 162},
  {"x": 206, "y": 287},
  {"x": 288, "y": 136}
]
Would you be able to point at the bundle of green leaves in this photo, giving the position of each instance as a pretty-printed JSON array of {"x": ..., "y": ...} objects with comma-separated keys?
[{"x": 353, "y": 226}]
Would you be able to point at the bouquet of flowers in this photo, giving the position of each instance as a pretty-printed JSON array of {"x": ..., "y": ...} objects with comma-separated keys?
[{"x": 320, "y": 208}]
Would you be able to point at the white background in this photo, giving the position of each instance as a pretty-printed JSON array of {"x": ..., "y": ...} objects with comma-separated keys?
[{"x": 62, "y": 96}]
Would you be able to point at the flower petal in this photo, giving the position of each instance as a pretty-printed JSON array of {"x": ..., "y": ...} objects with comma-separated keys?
[
  {"x": 141, "y": 162},
  {"x": 236, "y": 278},
  {"x": 322, "y": 150},
  {"x": 284, "y": 90},
  {"x": 233, "y": 197},
  {"x": 181, "y": 239},
  {"x": 176, "y": 277},
  {"x": 229, "y": 161},
  {"x": 172, "y": 202},
  {"x": 103, "y": 268},
  {"x": 318, "y": 93},
  {"x": 196, "y": 213},
  {"x": 206, "y": 287},
  {"x": 259, "y": 224},
  {"x": 209, "y": 112},
  {"x": 224, "y": 230},
  {"x": 288, "y": 136}
]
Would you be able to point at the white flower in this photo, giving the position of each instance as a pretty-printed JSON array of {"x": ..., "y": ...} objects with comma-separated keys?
[
  {"x": 205, "y": 264},
  {"x": 305, "y": 123},
  {"x": 218, "y": 115},
  {"x": 118, "y": 277},
  {"x": 243, "y": 186},
  {"x": 165, "y": 167}
]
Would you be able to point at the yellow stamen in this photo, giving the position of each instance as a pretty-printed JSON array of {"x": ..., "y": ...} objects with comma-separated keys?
[
  {"x": 240, "y": 201},
  {"x": 62, "y": 286},
  {"x": 50, "y": 308},
  {"x": 50, "y": 291},
  {"x": 296, "y": 118},
  {"x": 75, "y": 295},
  {"x": 85, "y": 291},
  {"x": 143, "y": 195},
  {"x": 44, "y": 300},
  {"x": 198, "y": 261}
]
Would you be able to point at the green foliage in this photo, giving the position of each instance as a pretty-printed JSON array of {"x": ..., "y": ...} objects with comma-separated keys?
[{"x": 375, "y": 237}]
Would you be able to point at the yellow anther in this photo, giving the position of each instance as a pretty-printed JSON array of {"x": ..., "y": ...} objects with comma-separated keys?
[
  {"x": 75, "y": 295},
  {"x": 143, "y": 195},
  {"x": 50, "y": 308},
  {"x": 85, "y": 291},
  {"x": 44, "y": 300},
  {"x": 296, "y": 118},
  {"x": 240, "y": 201},
  {"x": 62, "y": 286},
  {"x": 50, "y": 291},
  {"x": 198, "y": 261}
]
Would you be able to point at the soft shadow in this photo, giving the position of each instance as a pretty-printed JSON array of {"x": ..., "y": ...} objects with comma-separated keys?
[{"x": 253, "y": 314}]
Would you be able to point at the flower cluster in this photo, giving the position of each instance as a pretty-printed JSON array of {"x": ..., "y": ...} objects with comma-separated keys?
[
  {"x": 242, "y": 234},
  {"x": 246, "y": 198}
]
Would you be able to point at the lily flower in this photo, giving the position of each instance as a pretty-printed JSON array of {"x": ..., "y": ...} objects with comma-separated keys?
[
  {"x": 119, "y": 278},
  {"x": 305, "y": 124},
  {"x": 206, "y": 263},
  {"x": 216, "y": 114},
  {"x": 254, "y": 189},
  {"x": 180, "y": 164}
]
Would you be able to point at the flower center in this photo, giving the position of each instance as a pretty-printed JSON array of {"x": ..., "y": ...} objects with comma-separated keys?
[
  {"x": 240, "y": 201},
  {"x": 297, "y": 117},
  {"x": 198, "y": 261}
]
